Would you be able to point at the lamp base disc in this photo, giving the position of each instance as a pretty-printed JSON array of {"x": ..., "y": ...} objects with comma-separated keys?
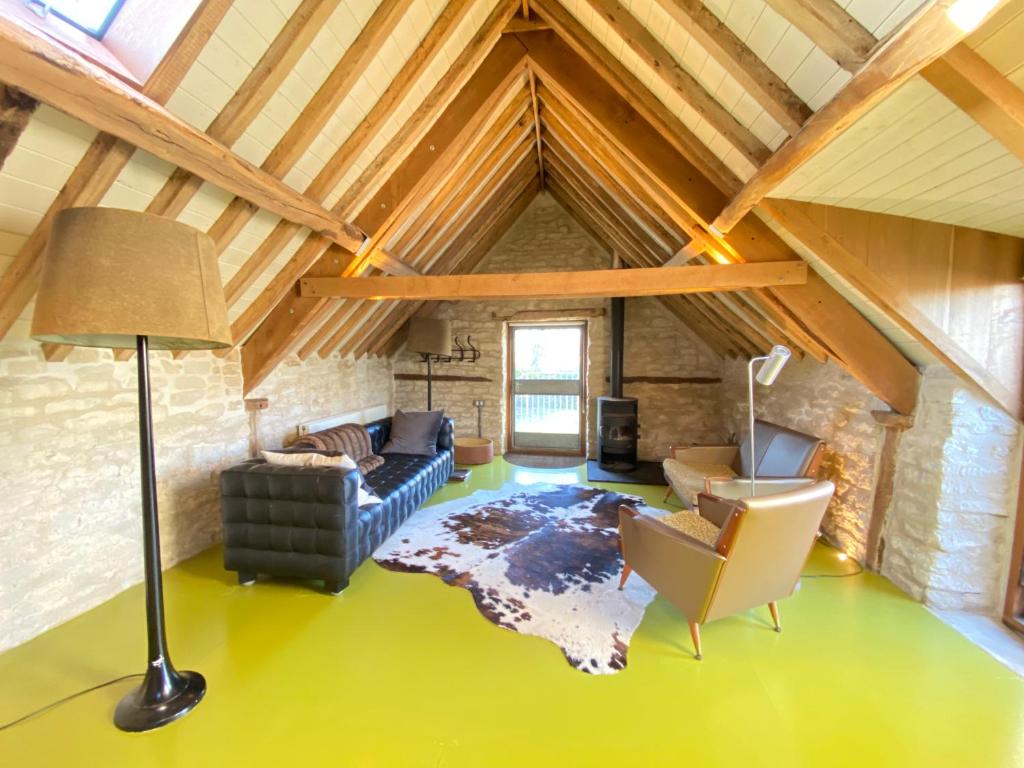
[{"x": 133, "y": 713}]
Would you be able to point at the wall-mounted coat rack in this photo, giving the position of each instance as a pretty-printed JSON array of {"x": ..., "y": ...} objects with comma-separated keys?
[{"x": 460, "y": 353}]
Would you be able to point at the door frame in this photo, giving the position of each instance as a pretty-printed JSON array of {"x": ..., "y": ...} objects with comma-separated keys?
[{"x": 510, "y": 326}]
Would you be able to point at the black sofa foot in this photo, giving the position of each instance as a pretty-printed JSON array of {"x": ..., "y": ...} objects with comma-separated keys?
[
  {"x": 246, "y": 579},
  {"x": 335, "y": 587}
]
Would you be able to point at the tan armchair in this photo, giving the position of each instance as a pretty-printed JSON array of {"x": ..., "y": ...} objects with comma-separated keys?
[
  {"x": 762, "y": 545},
  {"x": 785, "y": 460}
]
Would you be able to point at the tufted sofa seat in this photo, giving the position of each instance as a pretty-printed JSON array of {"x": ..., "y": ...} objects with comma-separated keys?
[{"x": 304, "y": 522}]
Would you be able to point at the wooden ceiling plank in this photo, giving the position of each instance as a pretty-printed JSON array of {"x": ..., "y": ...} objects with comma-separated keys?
[
  {"x": 438, "y": 148},
  {"x": 830, "y": 28},
  {"x": 648, "y": 216},
  {"x": 859, "y": 347},
  {"x": 251, "y": 97},
  {"x": 733, "y": 55},
  {"x": 315, "y": 246},
  {"x": 102, "y": 162},
  {"x": 980, "y": 90},
  {"x": 339, "y": 164},
  {"x": 627, "y": 85},
  {"x": 301, "y": 134},
  {"x": 68, "y": 82},
  {"x": 401, "y": 144},
  {"x": 892, "y": 300},
  {"x": 645, "y": 45},
  {"x": 924, "y": 37}
]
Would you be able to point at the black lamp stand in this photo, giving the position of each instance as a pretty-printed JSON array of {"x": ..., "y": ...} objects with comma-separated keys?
[{"x": 165, "y": 694}]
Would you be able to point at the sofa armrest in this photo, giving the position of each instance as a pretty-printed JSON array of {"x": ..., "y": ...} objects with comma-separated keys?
[
  {"x": 739, "y": 487},
  {"x": 706, "y": 454},
  {"x": 446, "y": 436}
]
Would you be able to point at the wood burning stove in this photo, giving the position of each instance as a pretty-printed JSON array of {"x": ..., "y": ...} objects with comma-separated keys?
[{"x": 617, "y": 416}]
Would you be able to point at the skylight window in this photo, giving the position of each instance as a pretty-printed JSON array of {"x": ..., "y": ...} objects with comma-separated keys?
[{"x": 91, "y": 16}]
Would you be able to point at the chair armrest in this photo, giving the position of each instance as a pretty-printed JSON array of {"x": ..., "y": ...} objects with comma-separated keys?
[
  {"x": 705, "y": 454},
  {"x": 715, "y": 508},
  {"x": 739, "y": 487}
]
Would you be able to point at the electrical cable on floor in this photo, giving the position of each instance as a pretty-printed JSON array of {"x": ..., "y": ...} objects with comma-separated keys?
[
  {"x": 824, "y": 540},
  {"x": 66, "y": 699}
]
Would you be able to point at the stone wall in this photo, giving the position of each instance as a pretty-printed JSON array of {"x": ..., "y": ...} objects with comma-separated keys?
[
  {"x": 545, "y": 238},
  {"x": 949, "y": 526},
  {"x": 825, "y": 401},
  {"x": 69, "y": 464}
]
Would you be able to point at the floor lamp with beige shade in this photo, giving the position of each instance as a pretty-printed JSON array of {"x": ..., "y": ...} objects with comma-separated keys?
[{"x": 125, "y": 280}]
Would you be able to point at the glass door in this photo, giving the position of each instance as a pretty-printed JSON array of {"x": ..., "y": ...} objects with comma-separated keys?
[{"x": 546, "y": 388}]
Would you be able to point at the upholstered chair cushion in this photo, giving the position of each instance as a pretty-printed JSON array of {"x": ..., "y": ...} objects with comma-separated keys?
[
  {"x": 687, "y": 479},
  {"x": 694, "y": 526}
]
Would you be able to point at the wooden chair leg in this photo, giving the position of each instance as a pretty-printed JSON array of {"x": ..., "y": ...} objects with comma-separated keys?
[
  {"x": 695, "y": 636},
  {"x": 774, "y": 608},
  {"x": 626, "y": 570},
  {"x": 668, "y": 494}
]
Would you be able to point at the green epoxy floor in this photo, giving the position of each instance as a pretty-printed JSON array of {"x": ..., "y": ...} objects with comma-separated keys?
[{"x": 401, "y": 670}]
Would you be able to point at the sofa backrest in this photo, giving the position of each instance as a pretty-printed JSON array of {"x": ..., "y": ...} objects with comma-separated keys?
[{"x": 779, "y": 451}]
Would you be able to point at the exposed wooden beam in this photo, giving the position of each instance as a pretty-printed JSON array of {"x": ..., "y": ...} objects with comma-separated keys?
[
  {"x": 892, "y": 300},
  {"x": 924, "y": 37},
  {"x": 857, "y": 345},
  {"x": 66, "y": 81},
  {"x": 536, "y": 123},
  {"x": 314, "y": 116},
  {"x": 314, "y": 246},
  {"x": 246, "y": 103},
  {"x": 438, "y": 148},
  {"x": 453, "y": 204},
  {"x": 105, "y": 158},
  {"x": 733, "y": 55},
  {"x": 830, "y": 28},
  {"x": 575, "y": 284},
  {"x": 627, "y": 85},
  {"x": 645, "y": 45},
  {"x": 471, "y": 251},
  {"x": 518, "y": 24},
  {"x": 593, "y": 142},
  {"x": 981, "y": 90},
  {"x": 16, "y": 110}
]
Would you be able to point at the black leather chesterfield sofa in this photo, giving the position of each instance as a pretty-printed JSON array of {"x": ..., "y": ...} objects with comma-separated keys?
[{"x": 303, "y": 522}]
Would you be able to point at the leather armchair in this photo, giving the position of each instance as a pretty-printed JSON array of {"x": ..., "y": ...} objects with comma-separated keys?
[
  {"x": 762, "y": 546},
  {"x": 785, "y": 460}
]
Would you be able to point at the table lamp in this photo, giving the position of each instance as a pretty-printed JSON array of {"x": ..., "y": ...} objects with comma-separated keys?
[
  {"x": 772, "y": 365},
  {"x": 126, "y": 280},
  {"x": 431, "y": 338}
]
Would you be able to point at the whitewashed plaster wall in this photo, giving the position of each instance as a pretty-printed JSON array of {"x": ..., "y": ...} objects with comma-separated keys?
[
  {"x": 546, "y": 238},
  {"x": 949, "y": 525},
  {"x": 825, "y": 401},
  {"x": 69, "y": 464}
]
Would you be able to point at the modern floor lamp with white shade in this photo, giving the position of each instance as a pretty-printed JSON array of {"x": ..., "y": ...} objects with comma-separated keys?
[
  {"x": 125, "y": 280},
  {"x": 772, "y": 365}
]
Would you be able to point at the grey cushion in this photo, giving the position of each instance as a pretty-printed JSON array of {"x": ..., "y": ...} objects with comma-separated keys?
[{"x": 414, "y": 433}]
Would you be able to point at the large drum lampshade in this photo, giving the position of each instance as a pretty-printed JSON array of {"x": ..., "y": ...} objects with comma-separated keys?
[{"x": 112, "y": 275}]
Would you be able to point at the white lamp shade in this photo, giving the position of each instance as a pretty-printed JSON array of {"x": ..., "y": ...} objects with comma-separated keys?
[
  {"x": 429, "y": 336},
  {"x": 773, "y": 366},
  {"x": 110, "y": 275}
]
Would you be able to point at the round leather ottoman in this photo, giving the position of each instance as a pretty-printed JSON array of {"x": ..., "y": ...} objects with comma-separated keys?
[{"x": 473, "y": 450}]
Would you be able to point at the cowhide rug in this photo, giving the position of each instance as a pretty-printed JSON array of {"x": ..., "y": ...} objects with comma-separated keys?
[{"x": 538, "y": 559}]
